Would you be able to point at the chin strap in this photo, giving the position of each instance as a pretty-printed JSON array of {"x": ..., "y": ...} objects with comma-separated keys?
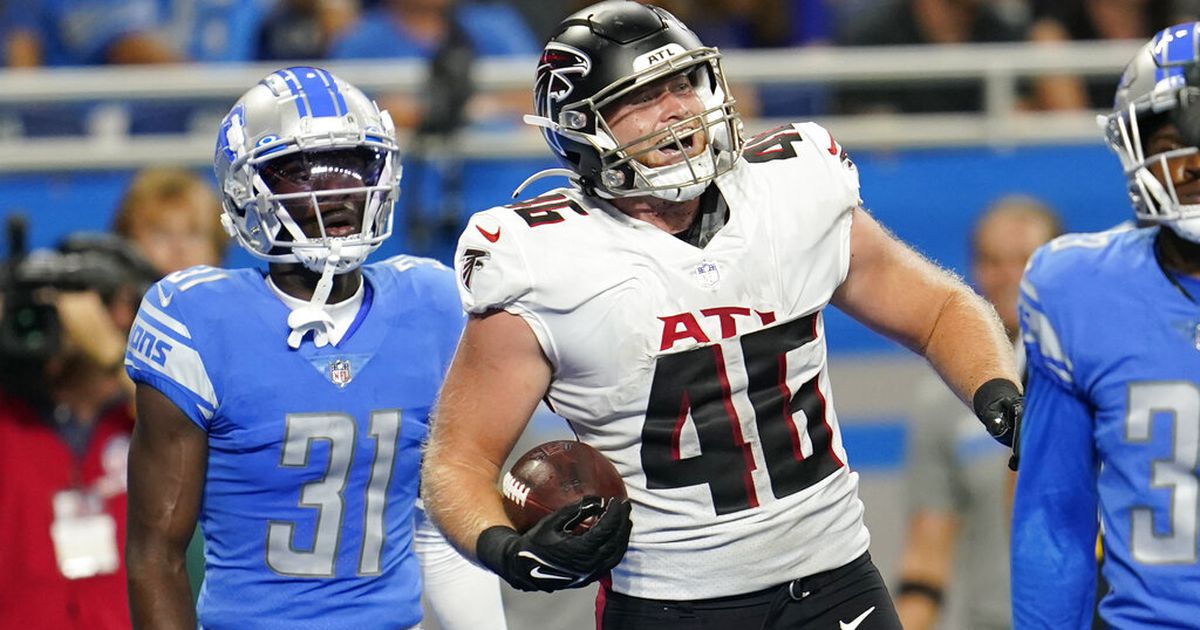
[
  {"x": 313, "y": 316},
  {"x": 550, "y": 172}
]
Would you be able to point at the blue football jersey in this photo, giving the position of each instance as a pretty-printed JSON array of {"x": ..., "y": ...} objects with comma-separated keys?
[
  {"x": 1111, "y": 438},
  {"x": 313, "y": 453}
]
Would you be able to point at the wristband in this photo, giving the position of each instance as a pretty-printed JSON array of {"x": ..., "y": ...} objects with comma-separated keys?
[
  {"x": 492, "y": 546},
  {"x": 921, "y": 589}
]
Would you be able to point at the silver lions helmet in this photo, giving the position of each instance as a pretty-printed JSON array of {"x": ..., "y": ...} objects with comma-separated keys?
[
  {"x": 309, "y": 171},
  {"x": 1161, "y": 85}
]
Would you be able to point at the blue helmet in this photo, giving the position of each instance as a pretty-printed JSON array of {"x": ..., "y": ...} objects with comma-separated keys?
[
  {"x": 318, "y": 123},
  {"x": 1160, "y": 85}
]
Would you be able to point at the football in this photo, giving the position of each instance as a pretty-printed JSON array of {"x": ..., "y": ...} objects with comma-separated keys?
[{"x": 555, "y": 474}]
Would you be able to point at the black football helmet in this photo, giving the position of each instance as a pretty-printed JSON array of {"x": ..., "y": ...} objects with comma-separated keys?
[{"x": 604, "y": 52}]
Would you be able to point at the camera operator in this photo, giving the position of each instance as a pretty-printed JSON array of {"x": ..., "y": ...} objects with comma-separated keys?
[{"x": 65, "y": 422}]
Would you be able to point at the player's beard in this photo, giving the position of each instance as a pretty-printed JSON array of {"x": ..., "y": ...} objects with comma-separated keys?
[
  {"x": 677, "y": 176},
  {"x": 695, "y": 144}
]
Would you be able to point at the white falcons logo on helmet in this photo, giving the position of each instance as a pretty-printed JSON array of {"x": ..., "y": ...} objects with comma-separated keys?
[
  {"x": 555, "y": 68},
  {"x": 554, "y": 82}
]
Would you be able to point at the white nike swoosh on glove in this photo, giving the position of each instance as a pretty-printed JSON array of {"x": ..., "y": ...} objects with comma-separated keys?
[
  {"x": 854, "y": 624},
  {"x": 537, "y": 573}
]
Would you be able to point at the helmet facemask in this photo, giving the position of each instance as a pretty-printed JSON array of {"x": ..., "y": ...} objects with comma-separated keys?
[
  {"x": 307, "y": 116},
  {"x": 267, "y": 225},
  {"x": 1156, "y": 199},
  {"x": 343, "y": 195}
]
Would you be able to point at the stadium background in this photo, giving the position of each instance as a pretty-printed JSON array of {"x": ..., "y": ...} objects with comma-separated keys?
[{"x": 926, "y": 176}]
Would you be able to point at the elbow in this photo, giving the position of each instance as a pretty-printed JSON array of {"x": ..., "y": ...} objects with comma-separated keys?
[
  {"x": 147, "y": 558},
  {"x": 961, "y": 309},
  {"x": 434, "y": 477},
  {"x": 920, "y": 342},
  {"x": 139, "y": 565}
]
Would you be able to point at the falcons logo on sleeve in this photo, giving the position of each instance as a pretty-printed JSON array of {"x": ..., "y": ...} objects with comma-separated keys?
[{"x": 472, "y": 260}]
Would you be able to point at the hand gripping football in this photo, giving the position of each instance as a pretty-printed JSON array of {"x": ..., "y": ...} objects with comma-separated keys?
[{"x": 556, "y": 474}]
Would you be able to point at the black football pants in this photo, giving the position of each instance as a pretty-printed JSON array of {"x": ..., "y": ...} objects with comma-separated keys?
[{"x": 851, "y": 597}]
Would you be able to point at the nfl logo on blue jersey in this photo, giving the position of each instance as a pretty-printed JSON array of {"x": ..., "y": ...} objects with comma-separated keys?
[{"x": 339, "y": 372}]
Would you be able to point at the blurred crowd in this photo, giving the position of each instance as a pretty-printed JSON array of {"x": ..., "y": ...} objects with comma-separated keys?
[
  {"x": 66, "y": 404},
  {"x": 450, "y": 33}
]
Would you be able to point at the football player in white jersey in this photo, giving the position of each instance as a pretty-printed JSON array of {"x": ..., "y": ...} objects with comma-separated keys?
[{"x": 669, "y": 305}]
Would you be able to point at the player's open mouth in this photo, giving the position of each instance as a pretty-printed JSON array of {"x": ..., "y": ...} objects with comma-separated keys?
[
  {"x": 671, "y": 151},
  {"x": 339, "y": 223},
  {"x": 1188, "y": 193},
  {"x": 687, "y": 142}
]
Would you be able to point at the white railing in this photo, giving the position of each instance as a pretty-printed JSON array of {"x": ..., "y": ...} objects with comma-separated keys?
[{"x": 999, "y": 67}]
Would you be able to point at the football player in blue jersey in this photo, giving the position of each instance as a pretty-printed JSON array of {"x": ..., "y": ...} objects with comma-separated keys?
[
  {"x": 1111, "y": 322},
  {"x": 286, "y": 411}
]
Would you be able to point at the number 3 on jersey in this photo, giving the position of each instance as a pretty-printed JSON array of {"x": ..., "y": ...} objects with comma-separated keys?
[
  {"x": 695, "y": 384},
  {"x": 1167, "y": 534},
  {"x": 326, "y": 493}
]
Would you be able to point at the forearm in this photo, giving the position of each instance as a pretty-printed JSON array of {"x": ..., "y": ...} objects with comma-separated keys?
[
  {"x": 925, "y": 567},
  {"x": 967, "y": 345},
  {"x": 460, "y": 495},
  {"x": 160, "y": 596},
  {"x": 167, "y": 464},
  {"x": 898, "y": 293},
  {"x": 494, "y": 384}
]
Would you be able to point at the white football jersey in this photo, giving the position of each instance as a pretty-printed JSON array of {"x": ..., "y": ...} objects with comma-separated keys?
[{"x": 699, "y": 372}]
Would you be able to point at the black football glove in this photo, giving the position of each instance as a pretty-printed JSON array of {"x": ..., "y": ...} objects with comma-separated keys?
[
  {"x": 998, "y": 404},
  {"x": 549, "y": 557}
]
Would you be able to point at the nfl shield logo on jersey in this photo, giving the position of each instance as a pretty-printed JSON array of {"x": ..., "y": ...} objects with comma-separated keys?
[
  {"x": 339, "y": 372},
  {"x": 707, "y": 274},
  {"x": 1196, "y": 337}
]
